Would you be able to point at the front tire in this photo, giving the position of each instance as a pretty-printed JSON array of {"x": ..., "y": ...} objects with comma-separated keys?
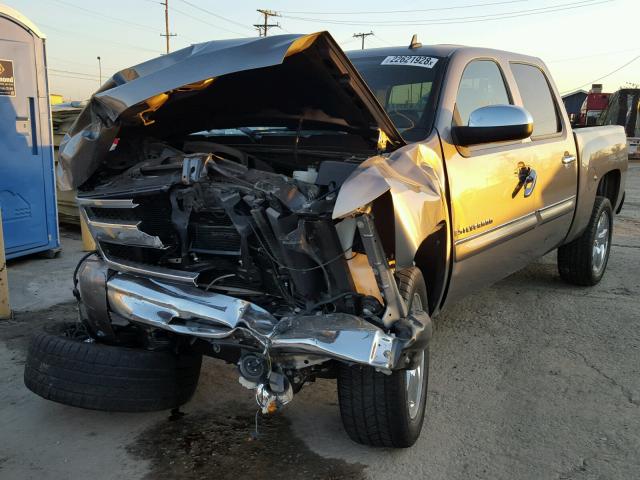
[
  {"x": 387, "y": 410},
  {"x": 68, "y": 369},
  {"x": 584, "y": 260}
]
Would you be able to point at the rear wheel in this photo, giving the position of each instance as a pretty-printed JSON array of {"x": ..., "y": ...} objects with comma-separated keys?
[
  {"x": 584, "y": 260},
  {"x": 387, "y": 410}
]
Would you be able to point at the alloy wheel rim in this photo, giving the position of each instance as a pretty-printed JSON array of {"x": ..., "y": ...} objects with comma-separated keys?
[
  {"x": 413, "y": 378},
  {"x": 601, "y": 244}
]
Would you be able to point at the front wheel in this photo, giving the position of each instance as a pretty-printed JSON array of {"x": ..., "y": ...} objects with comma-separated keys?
[{"x": 387, "y": 410}]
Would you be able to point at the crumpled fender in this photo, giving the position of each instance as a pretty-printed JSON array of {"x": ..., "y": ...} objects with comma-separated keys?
[{"x": 411, "y": 176}]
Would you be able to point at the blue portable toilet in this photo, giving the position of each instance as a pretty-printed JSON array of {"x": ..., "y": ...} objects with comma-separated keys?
[{"x": 27, "y": 184}]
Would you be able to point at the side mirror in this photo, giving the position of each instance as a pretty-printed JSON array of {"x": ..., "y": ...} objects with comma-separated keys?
[{"x": 494, "y": 123}]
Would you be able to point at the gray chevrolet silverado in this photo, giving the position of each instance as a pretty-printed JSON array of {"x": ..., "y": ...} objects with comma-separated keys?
[{"x": 304, "y": 213}]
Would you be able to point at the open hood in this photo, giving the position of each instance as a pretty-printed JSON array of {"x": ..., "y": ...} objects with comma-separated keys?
[{"x": 298, "y": 81}]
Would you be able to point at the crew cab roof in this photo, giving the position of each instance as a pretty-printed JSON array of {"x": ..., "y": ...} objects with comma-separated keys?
[{"x": 443, "y": 51}]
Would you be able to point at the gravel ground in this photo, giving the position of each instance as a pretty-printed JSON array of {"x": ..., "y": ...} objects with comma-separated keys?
[{"x": 530, "y": 379}]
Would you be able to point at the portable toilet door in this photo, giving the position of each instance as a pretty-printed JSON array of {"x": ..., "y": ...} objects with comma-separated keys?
[{"x": 27, "y": 183}]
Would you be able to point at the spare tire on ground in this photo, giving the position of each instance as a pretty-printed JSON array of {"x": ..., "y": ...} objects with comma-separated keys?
[{"x": 69, "y": 369}]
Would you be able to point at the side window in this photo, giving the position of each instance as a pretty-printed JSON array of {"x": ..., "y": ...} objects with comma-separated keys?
[
  {"x": 481, "y": 85},
  {"x": 537, "y": 98}
]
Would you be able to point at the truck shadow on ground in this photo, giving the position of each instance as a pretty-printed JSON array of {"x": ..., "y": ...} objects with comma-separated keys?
[{"x": 220, "y": 445}]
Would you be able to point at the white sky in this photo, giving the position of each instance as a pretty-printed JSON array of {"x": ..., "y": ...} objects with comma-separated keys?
[{"x": 580, "y": 41}]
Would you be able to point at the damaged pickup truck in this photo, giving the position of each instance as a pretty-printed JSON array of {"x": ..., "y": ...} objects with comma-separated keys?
[{"x": 304, "y": 214}]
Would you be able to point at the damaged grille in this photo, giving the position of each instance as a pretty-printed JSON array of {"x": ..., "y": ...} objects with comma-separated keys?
[
  {"x": 152, "y": 216},
  {"x": 214, "y": 233}
]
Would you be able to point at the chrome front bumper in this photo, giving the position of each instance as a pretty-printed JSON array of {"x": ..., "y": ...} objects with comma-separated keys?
[{"x": 187, "y": 310}]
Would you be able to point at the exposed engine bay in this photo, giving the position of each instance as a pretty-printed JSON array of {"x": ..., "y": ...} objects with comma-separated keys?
[
  {"x": 247, "y": 233},
  {"x": 234, "y": 223}
]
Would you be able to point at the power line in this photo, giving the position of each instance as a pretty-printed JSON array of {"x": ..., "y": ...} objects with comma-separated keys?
[
  {"x": 215, "y": 14},
  {"x": 604, "y": 76},
  {"x": 102, "y": 16},
  {"x": 592, "y": 56},
  {"x": 98, "y": 39},
  {"x": 362, "y": 35},
  {"x": 175, "y": 10},
  {"x": 73, "y": 62},
  {"x": 263, "y": 28},
  {"x": 459, "y": 20},
  {"x": 374, "y": 12},
  {"x": 383, "y": 40},
  {"x": 62, "y": 75},
  {"x": 71, "y": 72}
]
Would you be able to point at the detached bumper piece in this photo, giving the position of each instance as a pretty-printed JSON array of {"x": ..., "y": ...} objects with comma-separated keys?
[{"x": 188, "y": 310}]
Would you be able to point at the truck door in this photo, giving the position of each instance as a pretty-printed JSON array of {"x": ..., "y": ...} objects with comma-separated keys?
[
  {"x": 494, "y": 213},
  {"x": 553, "y": 156},
  {"x": 22, "y": 171}
]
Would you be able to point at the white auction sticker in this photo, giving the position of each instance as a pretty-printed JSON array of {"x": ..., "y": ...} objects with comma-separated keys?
[{"x": 411, "y": 60}]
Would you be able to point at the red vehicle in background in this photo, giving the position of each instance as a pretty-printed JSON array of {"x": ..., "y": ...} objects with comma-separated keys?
[{"x": 593, "y": 106}]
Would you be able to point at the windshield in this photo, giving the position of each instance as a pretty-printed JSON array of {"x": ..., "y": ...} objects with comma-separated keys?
[{"x": 404, "y": 85}]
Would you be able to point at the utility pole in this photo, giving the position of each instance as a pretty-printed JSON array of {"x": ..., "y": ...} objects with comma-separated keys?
[
  {"x": 362, "y": 35},
  {"x": 263, "y": 28},
  {"x": 166, "y": 33},
  {"x": 100, "y": 69}
]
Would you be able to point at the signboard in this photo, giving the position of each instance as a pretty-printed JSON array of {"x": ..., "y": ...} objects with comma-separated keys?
[
  {"x": 7, "y": 80},
  {"x": 411, "y": 60}
]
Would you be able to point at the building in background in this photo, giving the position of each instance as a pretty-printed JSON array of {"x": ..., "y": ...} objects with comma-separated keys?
[{"x": 572, "y": 104}]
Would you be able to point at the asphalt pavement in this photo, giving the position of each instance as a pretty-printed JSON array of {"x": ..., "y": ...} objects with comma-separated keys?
[{"x": 530, "y": 379}]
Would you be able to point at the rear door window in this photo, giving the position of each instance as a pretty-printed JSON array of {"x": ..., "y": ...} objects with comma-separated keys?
[
  {"x": 537, "y": 98},
  {"x": 481, "y": 85}
]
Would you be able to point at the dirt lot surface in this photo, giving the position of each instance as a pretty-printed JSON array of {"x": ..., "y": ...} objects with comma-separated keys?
[{"x": 530, "y": 379}]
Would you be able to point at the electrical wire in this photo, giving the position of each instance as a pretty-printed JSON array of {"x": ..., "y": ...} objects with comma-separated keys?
[
  {"x": 49, "y": 69},
  {"x": 98, "y": 39},
  {"x": 458, "y": 20},
  {"x": 383, "y": 40},
  {"x": 72, "y": 76},
  {"x": 193, "y": 5},
  {"x": 406, "y": 11},
  {"x": 583, "y": 57},
  {"x": 173, "y": 9},
  {"x": 602, "y": 77},
  {"x": 103, "y": 16},
  {"x": 73, "y": 62}
]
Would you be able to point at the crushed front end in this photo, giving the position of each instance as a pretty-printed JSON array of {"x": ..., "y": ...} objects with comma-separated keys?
[
  {"x": 247, "y": 262},
  {"x": 221, "y": 236}
]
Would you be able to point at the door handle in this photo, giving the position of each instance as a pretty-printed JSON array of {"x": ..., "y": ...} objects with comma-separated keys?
[
  {"x": 568, "y": 159},
  {"x": 527, "y": 178},
  {"x": 530, "y": 183}
]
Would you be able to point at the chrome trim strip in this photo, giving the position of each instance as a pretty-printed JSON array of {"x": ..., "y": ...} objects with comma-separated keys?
[
  {"x": 168, "y": 274},
  {"x": 106, "y": 202},
  {"x": 481, "y": 241},
  {"x": 122, "y": 233},
  {"x": 551, "y": 212},
  {"x": 470, "y": 246}
]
